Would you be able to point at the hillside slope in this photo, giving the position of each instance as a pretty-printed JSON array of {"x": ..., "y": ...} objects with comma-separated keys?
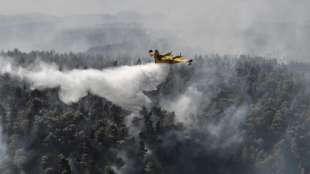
[{"x": 221, "y": 115}]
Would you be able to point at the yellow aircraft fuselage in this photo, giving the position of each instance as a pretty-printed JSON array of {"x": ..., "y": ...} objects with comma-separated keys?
[{"x": 172, "y": 59}]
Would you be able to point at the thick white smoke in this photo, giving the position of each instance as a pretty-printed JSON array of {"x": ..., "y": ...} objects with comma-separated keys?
[
  {"x": 123, "y": 85},
  {"x": 185, "y": 106}
]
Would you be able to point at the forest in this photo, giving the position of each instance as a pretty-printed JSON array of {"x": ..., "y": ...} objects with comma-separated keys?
[{"x": 221, "y": 115}]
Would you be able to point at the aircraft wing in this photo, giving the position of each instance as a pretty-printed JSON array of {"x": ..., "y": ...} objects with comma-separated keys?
[{"x": 168, "y": 54}]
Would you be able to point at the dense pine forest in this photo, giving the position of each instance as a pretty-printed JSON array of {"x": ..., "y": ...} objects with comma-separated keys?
[{"x": 221, "y": 115}]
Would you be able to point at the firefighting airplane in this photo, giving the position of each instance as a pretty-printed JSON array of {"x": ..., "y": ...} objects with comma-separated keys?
[{"x": 169, "y": 58}]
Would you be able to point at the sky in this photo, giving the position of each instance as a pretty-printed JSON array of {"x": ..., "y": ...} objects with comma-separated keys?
[
  {"x": 277, "y": 27},
  {"x": 224, "y": 8}
]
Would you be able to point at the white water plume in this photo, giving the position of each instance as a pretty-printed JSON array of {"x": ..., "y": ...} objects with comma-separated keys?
[{"x": 122, "y": 85}]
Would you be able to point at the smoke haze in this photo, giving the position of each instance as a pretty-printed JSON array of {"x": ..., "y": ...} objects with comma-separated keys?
[
  {"x": 215, "y": 115},
  {"x": 257, "y": 27},
  {"x": 275, "y": 28}
]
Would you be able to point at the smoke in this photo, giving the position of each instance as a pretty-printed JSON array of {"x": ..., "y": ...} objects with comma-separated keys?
[
  {"x": 276, "y": 28},
  {"x": 185, "y": 106},
  {"x": 123, "y": 85},
  {"x": 197, "y": 108},
  {"x": 226, "y": 132}
]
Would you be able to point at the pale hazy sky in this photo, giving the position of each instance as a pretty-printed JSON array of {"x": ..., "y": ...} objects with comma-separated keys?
[
  {"x": 217, "y": 25},
  {"x": 69, "y": 7}
]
